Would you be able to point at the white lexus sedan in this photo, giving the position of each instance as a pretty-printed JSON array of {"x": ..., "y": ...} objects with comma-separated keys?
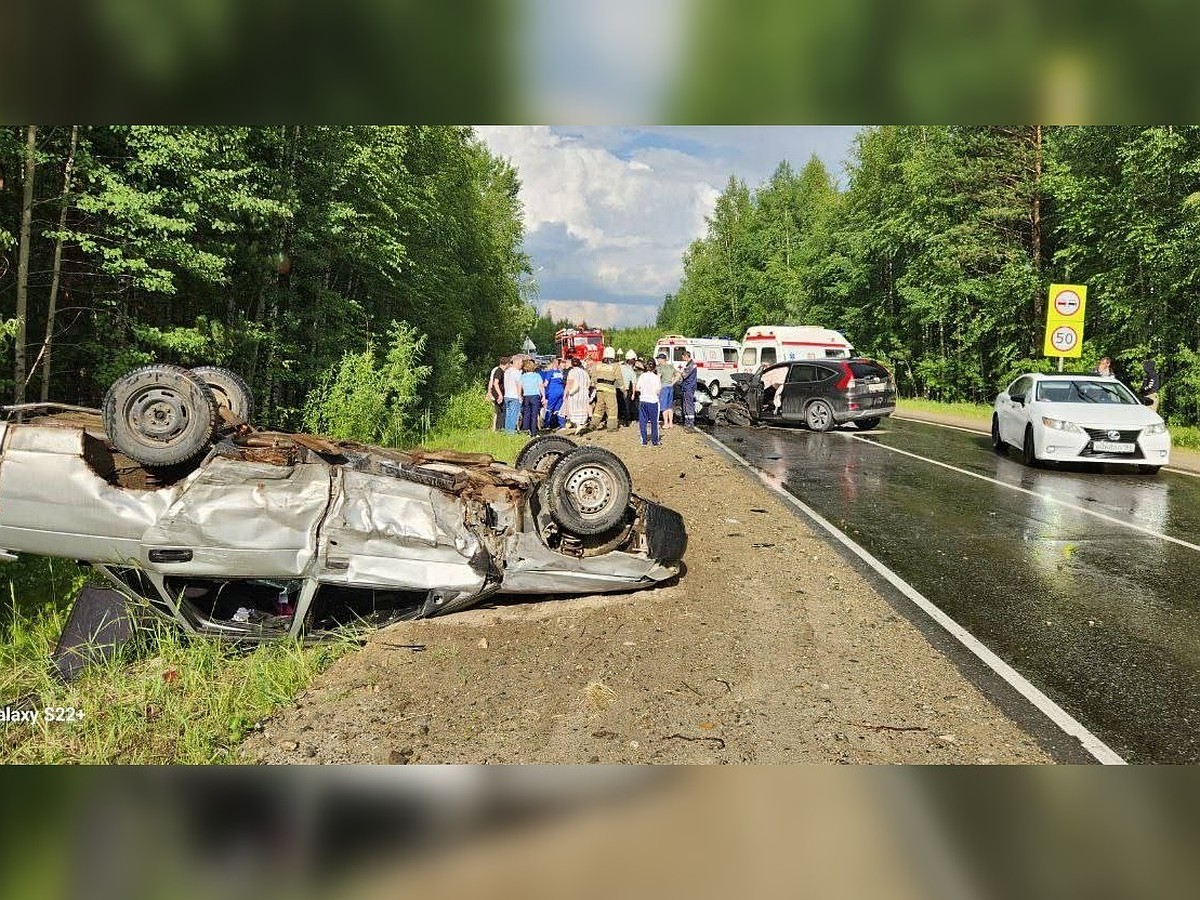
[{"x": 1079, "y": 418}]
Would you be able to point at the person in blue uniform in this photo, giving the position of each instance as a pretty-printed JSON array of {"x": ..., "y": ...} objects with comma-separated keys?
[{"x": 552, "y": 376}]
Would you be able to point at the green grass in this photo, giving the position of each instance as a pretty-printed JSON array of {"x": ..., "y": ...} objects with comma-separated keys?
[
  {"x": 502, "y": 445},
  {"x": 980, "y": 411},
  {"x": 1185, "y": 436},
  {"x": 162, "y": 699}
]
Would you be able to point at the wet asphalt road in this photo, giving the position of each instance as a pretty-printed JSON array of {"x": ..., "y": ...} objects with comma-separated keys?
[{"x": 1103, "y": 618}]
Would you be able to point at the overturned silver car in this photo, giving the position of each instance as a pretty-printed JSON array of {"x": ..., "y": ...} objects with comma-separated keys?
[{"x": 264, "y": 534}]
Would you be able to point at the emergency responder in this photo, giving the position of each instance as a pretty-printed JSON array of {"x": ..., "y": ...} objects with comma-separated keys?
[
  {"x": 606, "y": 375},
  {"x": 688, "y": 385}
]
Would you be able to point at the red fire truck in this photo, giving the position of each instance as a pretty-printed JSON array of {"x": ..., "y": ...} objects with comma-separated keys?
[{"x": 583, "y": 343}]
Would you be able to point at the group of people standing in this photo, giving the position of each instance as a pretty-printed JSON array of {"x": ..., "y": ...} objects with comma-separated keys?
[{"x": 575, "y": 396}]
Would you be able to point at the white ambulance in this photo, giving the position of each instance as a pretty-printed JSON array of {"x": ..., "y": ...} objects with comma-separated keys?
[
  {"x": 716, "y": 359},
  {"x": 765, "y": 345}
]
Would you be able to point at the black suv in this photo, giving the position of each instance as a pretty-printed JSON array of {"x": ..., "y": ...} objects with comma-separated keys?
[{"x": 822, "y": 393}]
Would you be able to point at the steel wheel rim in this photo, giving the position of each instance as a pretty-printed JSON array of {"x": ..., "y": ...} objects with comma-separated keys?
[
  {"x": 592, "y": 489},
  {"x": 157, "y": 414}
]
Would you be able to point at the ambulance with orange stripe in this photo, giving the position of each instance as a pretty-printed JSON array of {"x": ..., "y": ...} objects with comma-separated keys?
[
  {"x": 765, "y": 345},
  {"x": 716, "y": 359}
]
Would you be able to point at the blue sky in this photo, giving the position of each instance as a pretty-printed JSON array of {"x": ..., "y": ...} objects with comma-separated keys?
[{"x": 610, "y": 210}]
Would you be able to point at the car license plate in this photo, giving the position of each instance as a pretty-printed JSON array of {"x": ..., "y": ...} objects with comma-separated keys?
[
  {"x": 1113, "y": 447},
  {"x": 878, "y": 386}
]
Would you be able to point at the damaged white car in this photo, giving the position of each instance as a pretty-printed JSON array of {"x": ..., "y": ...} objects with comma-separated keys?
[{"x": 250, "y": 534}]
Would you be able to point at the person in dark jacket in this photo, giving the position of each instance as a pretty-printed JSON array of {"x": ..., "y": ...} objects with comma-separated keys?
[
  {"x": 1150, "y": 384},
  {"x": 687, "y": 384}
]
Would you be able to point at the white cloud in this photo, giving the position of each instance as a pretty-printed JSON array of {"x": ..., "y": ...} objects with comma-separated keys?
[
  {"x": 610, "y": 211},
  {"x": 634, "y": 217},
  {"x": 601, "y": 315}
]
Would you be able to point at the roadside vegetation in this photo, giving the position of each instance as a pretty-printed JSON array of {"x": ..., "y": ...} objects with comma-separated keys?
[{"x": 978, "y": 411}]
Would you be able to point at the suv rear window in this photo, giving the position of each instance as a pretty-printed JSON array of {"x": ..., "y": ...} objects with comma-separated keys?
[{"x": 868, "y": 369}]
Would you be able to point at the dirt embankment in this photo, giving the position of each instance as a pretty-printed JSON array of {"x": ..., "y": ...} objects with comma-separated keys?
[{"x": 770, "y": 649}]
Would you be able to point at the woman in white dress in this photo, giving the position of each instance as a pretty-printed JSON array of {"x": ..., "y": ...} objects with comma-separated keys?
[{"x": 575, "y": 403}]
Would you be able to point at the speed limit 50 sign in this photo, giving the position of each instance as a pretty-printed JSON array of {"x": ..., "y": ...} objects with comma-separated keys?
[{"x": 1064, "y": 320}]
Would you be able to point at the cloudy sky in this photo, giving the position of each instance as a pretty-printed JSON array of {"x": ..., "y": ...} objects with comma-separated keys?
[{"x": 609, "y": 211}]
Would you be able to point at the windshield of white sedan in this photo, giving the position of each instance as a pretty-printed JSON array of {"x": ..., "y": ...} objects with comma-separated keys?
[{"x": 1085, "y": 392}]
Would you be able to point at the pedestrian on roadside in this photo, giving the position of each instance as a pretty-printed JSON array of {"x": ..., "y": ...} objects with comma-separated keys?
[
  {"x": 1151, "y": 383},
  {"x": 495, "y": 391},
  {"x": 629, "y": 408},
  {"x": 649, "y": 389},
  {"x": 1103, "y": 367},
  {"x": 669, "y": 376},
  {"x": 606, "y": 374},
  {"x": 575, "y": 402},
  {"x": 512, "y": 394},
  {"x": 533, "y": 397},
  {"x": 555, "y": 386},
  {"x": 687, "y": 384}
]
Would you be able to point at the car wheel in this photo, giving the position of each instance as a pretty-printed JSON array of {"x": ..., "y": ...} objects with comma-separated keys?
[
  {"x": 159, "y": 415},
  {"x": 229, "y": 390},
  {"x": 736, "y": 414},
  {"x": 997, "y": 442},
  {"x": 541, "y": 453},
  {"x": 714, "y": 389},
  {"x": 1149, "y": 470},
  {"x": 589, "y": 491},
  {"x": 819, "y": 416},
  {"x": 1028, "y": 450},
  {"x": 866, "y": 424}
]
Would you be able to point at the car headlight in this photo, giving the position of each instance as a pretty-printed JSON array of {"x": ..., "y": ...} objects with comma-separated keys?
[
  {"x": 1059, "y": 424},
  {"x": 1159, "y": 428}
]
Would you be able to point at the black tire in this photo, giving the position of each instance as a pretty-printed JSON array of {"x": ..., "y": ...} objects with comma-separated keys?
[
  {"x": 998, "y": 443},
  {"x": 736, "y": 414},
  {"x": 542, "y": 452},
  {"x": 867, "y": 424},
  {"x": 1029, "y": 450},
  {"x": 818, "y": 416},
  {"x": 229, "y": 390},
  {"x": 160, "y": 415},
  {"x": 1149, "y": 470},
  {"x": 714, "y": 389},
  {"x": 589, "y": 491}
]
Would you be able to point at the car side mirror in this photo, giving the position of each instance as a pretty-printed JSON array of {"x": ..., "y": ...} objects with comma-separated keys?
[
  {"x": 1146, "y": 401},
  {"x": 1017, "y": 398}
]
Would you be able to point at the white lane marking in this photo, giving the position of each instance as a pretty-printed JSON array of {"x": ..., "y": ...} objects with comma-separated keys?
[
  {"x": 1170, "y": 469},
  {"x": 1059, "y": 716},
  {"x": 1047, "y": 497}
]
